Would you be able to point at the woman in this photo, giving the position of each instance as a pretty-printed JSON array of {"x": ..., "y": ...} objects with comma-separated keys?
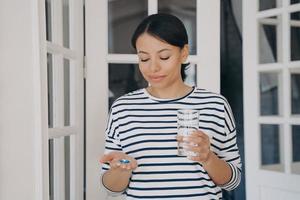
[{"x": 141, "y": 158}]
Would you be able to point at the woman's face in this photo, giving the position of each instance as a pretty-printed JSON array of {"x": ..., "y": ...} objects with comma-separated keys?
[{"x": 160, "y": 62}]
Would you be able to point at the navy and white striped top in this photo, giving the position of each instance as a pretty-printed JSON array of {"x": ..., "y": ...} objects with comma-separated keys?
[{"x": 145, "y": 127}]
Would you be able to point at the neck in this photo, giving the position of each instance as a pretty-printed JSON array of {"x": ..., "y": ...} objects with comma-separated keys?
[{"x": 173, "y": 92}]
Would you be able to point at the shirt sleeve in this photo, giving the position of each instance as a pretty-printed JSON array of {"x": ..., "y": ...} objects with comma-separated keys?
[
  {"x": 229, "y": 151},
  {"x": 112, "y": 143}
]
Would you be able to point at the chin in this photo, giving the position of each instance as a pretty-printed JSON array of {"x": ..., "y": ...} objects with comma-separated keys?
[{"x": 158, "y": 85}]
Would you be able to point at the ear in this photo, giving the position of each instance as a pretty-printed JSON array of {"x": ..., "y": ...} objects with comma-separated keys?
[{"x": 184, "y": 53}]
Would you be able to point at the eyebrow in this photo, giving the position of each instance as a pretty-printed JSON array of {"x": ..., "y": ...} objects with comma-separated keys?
[{"x": 157, "y": 51}]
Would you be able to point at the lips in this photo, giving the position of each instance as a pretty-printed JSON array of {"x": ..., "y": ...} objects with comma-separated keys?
[{"x": 157, "y": 78}]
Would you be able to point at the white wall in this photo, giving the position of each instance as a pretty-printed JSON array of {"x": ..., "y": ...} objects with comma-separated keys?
[
  {"x": 20, "y": 114},
  {"x": 96, "y": 103}
]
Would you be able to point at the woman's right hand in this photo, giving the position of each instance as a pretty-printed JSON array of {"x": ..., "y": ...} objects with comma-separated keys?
[{"x": 114, "y": 157}]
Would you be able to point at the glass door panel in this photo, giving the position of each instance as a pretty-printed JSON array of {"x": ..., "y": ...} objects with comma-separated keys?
[
  {"x": 269, "y": 93},
  {"x": 295, "y": 93},
  {"x": 65, "y": 98},
  {"x": 296, "y": 149},
  {"x": 185, "y": 11},
  {"x": 67, "y": 90},
  {"x": 66, "y": 23},
  {"x": 269, "y": 4},
  {"x": 48, "y": 12},
  {"x": 269, "y": 40},
  {"x": 295, "y": 1},
  {"x": 271, "y": 156},
  {"x": 124, "y": 78},
  {"x": 295, "y": 36},
  {"x": 123, "y": 17}
]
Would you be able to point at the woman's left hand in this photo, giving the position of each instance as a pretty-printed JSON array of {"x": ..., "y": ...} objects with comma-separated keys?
[{"x": 199, "y": 143}]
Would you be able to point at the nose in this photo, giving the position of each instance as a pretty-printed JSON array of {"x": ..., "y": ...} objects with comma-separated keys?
[{"x": 154, "y": 66}]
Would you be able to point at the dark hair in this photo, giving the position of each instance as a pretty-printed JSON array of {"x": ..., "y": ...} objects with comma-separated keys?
[{"x": 165, "y": 27}]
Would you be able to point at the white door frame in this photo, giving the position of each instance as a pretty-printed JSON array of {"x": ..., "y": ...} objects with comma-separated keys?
[
  {"x": 97, "y": 59},
  {"x": 262, "y": 184},
  {"x": 75, "y": 129}
]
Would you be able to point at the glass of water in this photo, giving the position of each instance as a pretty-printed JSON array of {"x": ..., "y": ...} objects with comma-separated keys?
[{"x": 187, "y": 122}]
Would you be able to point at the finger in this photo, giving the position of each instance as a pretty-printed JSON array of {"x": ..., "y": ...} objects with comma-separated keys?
[
  {"x": 106, "y": 158},
  {"x": 124, "y": 166},
  {"x": 199, "y": 133},
  {"x": 134, "y": 164},
  {"x": 128, "y": 167},
  {"x": 194, "y": 140},
  {"x": 198, "y": 149},
  {"x": 201, "y": 157},
  {"x": 179, "y": 138},
  {"x": 188, "y": 147},
  {"x": 115, "y": 164}
]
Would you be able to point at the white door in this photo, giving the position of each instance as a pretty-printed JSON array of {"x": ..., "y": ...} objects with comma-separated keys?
[
  {"x": 271, "y": 34},
  {"x": 112, "y": 64},
  {"x": 64, "y": 46}
]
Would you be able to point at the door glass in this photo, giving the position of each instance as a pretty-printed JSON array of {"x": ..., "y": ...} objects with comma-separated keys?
[
  {"x": 63, "y": 143},
  {"x": 66, "y": 92},
  {"x": 191, "y": 75},
  {"x": 296, "y": 149},
  {"x": 295, "y": 93},
  {"x": 51, "y": 170},
  {"x": 269, "y": 89},
  {"x": 295, "y": 36},
  {"x": 269, "y": 4},
  {"x": 270, "y": 147},
  {"x": 124, "y": 78},
  {"x": 48, "y": 20},
  {"x": 295, "y": 1},
  {"x": 50, "y": 89},
  {"x": 67, "y": 167},
  {"x": 268, "y": 40},
  {"x": 123, "y": 18},
  {"x": 66, "y": 23},
  {"x": 185, "y": 11}
]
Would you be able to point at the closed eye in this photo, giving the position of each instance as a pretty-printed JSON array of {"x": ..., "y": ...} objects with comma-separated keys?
[
  {"x": 166, "y": 58},
  {"x": 144, "y": 60}
]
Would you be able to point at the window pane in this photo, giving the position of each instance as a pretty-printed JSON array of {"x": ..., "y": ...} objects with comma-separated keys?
[
  {"x": 269, "y": 86},
  {"x": 66, "y": 92},
  {"x": 67, "y": 167},
  {"x": 66, "y": 23},
  {"x": 296, "y": 149},
  {"x": 269, "y": 4},
  {"x": 296, "y": 142},
  {"x": 48, "y": 20},
  {"x": 59, "y": 148},
  {"x": 51, "y": 170},
  {"x": 123, "y": 18},
  {"x": 124, "y": 78},
  {"x": 191, "y": 75},
  {"x": 295, "y": 36},
  {"x": 268, "y": 40},
  {"x": 270, "y": 147},
  {"x": 50, "y": 89},
  {"x": 186, "y": 11},
  {"x": 295, "y": 93},
  {"x": 295, "y": 1}
]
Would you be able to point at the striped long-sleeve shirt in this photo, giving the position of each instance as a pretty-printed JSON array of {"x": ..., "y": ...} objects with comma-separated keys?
[{"x": 145, "y": 127}]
